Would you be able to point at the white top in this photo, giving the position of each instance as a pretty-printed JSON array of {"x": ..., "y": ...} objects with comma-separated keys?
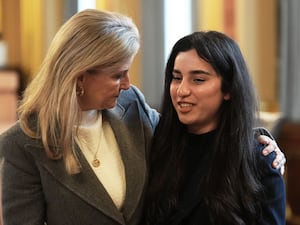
[{"x": 95, "y": 136}]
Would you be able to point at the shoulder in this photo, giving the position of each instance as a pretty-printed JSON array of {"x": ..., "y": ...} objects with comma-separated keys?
[
  {"x": 134, "y": 95},
  {"x": 11, "y": 136},
  {"x": 13, "y": 143},
  {"x": 262, "y": 131},
  {"x": 264, "y": 161}
]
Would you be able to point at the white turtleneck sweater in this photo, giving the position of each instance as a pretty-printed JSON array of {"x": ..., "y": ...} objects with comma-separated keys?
[{"x": 95, "y": 137}]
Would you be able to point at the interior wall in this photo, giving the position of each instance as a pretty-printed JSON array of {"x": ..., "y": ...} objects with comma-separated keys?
[
  {"x": 32, "y": 35},
  {"x": 257, "y": 30},
  {"x": 1, "y": 15},
  {"x": 11, "y": 30},
  {"x": 210, "y": 15},
  {"x": 29, "y": 26},
  {"x": 153, "y": 51},
  {"x": 267, "y": 54},
  {"x": 254, "y": 25}
]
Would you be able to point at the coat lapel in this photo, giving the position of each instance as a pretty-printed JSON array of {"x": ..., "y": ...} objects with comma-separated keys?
[
  {"x": 130, "y": 137},
  {"x": 85, "y": 185}
]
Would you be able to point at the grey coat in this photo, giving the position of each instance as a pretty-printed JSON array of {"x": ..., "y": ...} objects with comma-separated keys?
[{"x": 37, "y": 190}]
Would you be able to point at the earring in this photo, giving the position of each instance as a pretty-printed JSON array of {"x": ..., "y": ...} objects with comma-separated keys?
[{"x": 80, "y": 91}]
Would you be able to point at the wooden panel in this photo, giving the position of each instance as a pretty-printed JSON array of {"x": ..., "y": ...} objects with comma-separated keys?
[
  {"x": 32, "y": 35},
  {"x": 229, "y": 18},
  {"x": 267, "y": 40},
  {"x": 9, "y": 85},
  {"x": 11, "y": 30},
  {"x": 28, "y": 26},
  {"x": 1, "y": 16},
  {"x": 289, "y": 142}
]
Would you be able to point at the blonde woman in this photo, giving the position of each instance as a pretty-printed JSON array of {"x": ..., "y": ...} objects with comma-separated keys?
[{"x": 78, "y": 153}]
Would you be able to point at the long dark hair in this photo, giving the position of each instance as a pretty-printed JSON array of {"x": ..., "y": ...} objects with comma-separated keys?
[{"x": 230, "y": 186}]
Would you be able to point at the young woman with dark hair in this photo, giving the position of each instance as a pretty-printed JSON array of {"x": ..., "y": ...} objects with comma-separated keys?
[{"x": 206, "y": 165}]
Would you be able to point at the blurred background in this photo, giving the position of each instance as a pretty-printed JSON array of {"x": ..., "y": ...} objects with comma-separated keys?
[{"x": 267, "y": 31}]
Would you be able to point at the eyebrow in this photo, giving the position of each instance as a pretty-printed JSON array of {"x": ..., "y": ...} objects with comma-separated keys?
[
  {"x": 193, "y": 72},
  {"x": 107, "y": 70},
  {"x": 94, "y": 70}
]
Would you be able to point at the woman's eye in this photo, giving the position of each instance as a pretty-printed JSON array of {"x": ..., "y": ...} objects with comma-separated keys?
[
  {"x": 119, "y": 75},
  {"x": 199, "y": 80},
  {"x": 176, "y": 78}
]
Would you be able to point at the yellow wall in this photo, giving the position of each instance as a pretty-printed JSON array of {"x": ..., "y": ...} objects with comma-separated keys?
[
  {"x": 210, "y": 14},
  {"x": 32, "y": 35},
  {"x": 256, "y": 33},
  {"x": 11, "y": 30},
  {"x": 29, "y": 26},
  {"x": 267, "y": 53},
  {"x": 257, "y": 36},
  {"x": 1, "y": 15}
]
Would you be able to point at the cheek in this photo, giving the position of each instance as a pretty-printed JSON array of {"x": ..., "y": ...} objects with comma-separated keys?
[
  {"x": 173, "y": 91},
  {"x": 173, "y": 96},
  {"x": 212, "y": 96},
  {"x": 215, "y": 101}
]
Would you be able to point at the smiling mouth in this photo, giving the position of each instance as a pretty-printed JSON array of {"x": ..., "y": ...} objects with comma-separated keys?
[{"x": 184, "y": 105}]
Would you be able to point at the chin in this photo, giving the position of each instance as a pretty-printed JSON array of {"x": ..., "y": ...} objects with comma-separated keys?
[
  {"x": 185, "y": 120},
  {"x": 111, "y": 105}
]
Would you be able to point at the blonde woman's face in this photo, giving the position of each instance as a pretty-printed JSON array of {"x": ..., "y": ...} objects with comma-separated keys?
[{"x": 102, "y": 87}]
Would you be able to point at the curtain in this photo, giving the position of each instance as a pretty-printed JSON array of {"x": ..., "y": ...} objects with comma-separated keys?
[{"x": 289, "y": 56}]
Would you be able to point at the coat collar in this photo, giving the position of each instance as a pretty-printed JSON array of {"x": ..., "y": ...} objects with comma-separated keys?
[{"x": 130, "y": 138}]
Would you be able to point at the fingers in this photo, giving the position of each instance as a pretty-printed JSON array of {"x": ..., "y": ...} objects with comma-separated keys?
[
  {"x": 271, "y": 146},
  {"x": 282, "y": 170},
  {"x": 279, "y": 161}
]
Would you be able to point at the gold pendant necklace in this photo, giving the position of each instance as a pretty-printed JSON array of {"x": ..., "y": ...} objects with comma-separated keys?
[
  {"x": 84, "y": 144},
  {"x": 96, "y": 162},
  {"x": 87, "y": 138}
]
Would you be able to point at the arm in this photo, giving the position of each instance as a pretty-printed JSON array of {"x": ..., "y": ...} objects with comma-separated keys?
[
  {"x": 273, "y": 197},
  {"x": 22, "y": 197},
  {"x": 152, "y": 114}
]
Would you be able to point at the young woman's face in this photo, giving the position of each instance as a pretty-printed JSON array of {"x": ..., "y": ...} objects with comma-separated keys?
[
  {"x": 196, "y": 92},
  {"x": 103, "y": 87}
]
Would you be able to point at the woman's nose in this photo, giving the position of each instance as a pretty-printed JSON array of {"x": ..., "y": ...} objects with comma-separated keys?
[
  {"x": 183, "y": 89},
  {"x": 125, "y": 82}
]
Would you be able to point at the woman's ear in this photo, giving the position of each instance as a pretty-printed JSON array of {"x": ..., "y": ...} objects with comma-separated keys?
[
  {"x": 80, "y": 78},
  {"x": 79, "y": 86},
  {"x": 227, "y": 96}
]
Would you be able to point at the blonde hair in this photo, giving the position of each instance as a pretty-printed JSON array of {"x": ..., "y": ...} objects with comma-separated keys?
[{"x": 90, "y": 38}]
